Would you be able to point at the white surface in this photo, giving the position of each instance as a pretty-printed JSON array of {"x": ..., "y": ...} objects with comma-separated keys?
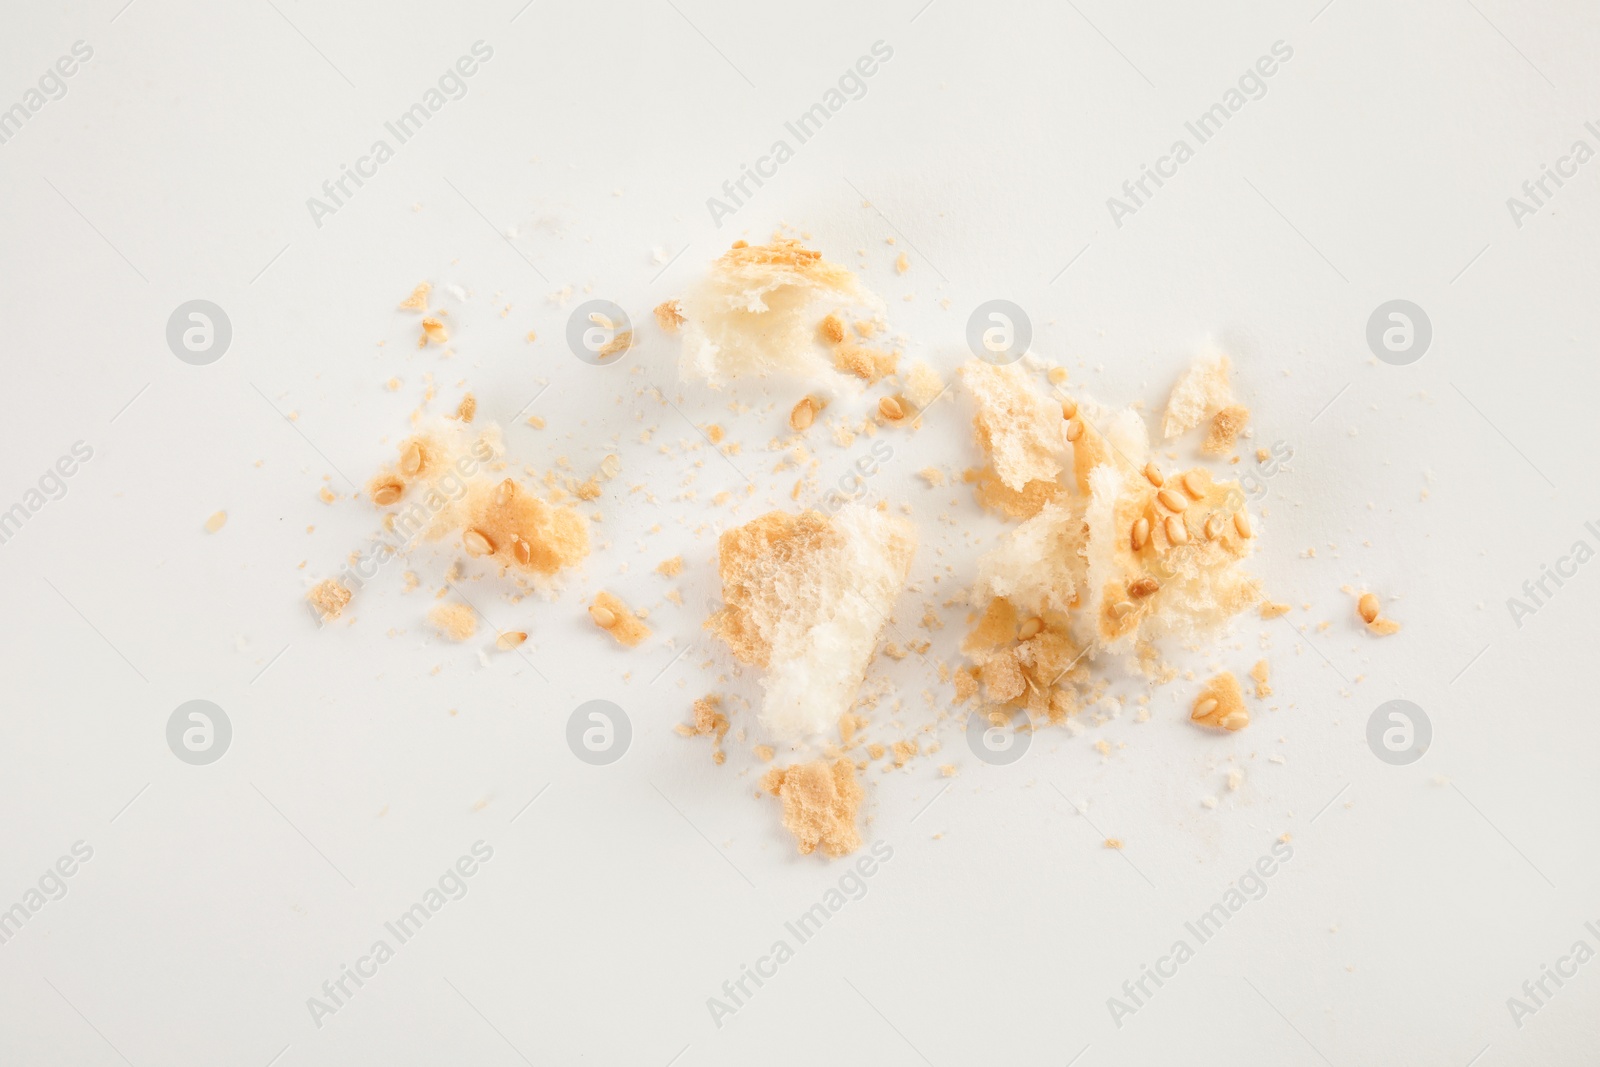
[{"x": 623, "y": 898}]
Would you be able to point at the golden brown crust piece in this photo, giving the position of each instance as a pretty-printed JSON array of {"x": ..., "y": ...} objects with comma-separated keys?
[{"x": 820, "y": 802}]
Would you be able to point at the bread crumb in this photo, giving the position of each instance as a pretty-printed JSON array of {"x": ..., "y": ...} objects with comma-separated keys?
[
  {"x": 1225, "y": 427},
  {"x": 948, "y": 770},
  {"x": 820, "y": 802},
  {"x": 1114, "y": 842},
  {"x": 1271, "y": 609},
  {"x": 458, "y": 622},
  {"x": 807, "y": 597},
  {"x": 668, "y": 316},
  {"x": 467, "y": 409},
  {"x": 616, "y": 618},
  {"x": 1201, "y": 393},
  {"x": 432, "y": 330},
  {"x": 418, "y": 300},
  {"x": 765, "y": 753},
  {"x": 217, "y": 521},
  {"x": 1260, "y": 674},
  {"x": 329, "y": 598},
  {"x": 902, "y": 263},
  {"x": 1221, "y": 703},
  {"x": 670, "y": 568},
  {"x": 710, "y": 722},
  {"x": 932, "y": 475}
]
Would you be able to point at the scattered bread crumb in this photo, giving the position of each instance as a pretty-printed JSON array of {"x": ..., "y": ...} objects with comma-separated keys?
[
  {"x": 820, "y": 802},
  {"x": 458, "y": 622},
  {"x": 616, "y": 618},
  {"x": 329, "y": 598},
  {"x": 1221, "y": 703},
  {"x": 217, "y": 521}
]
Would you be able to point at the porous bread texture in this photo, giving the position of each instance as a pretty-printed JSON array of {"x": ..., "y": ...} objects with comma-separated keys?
[
  {"x": 757, "y": 310},
  {"x": 1201, "y": 393},
  {"x": 1021, "y": 431},
  {"x": 807, "y": 597},
  {"x": 820, "y": 801},
  {"x": 1039, "y": 567}
]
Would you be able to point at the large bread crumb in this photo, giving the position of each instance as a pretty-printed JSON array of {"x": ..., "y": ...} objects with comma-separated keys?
[
  {"x": 820, "y": 802},
  {"x": 1022, "y": 432},
  {"x": 756, "y": 312},
  {"x": 807, "y": 597}
]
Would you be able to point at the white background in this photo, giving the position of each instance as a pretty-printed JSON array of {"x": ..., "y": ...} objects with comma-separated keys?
[{"x": 1377, "y": 166}]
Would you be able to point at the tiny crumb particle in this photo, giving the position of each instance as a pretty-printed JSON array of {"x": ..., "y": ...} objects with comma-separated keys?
[{"x": 217, "y": 521}]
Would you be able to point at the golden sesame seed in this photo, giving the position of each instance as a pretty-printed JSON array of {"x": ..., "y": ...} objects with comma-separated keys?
[
  {"x": 1241, "y": 522},
  {"x": 1214, "y": 524},
  {"x": 1030, "y": 628},
  {"x": 1143, "y": 587},
  {"x": 1235, "y": 720},
  {"x": 509, "y": 640},
  {"x": 1177, "y": 532},
  {"x": 1141, "y": 533},
  {"x": 1074, "y": 430},
  {"x": 1194, "y": 483},
  {"x": 602, "y": 617},
  {"x": 411, "y": 459},
  {"x": 477, "y": 543},
  {"x": 1368, "y": 607},
  {"x": 803, "y": 414},
  {"x": 1153, "y": 474},
  {"x": 1204, "y": 708},
  {"x": 1172, "y": 501},
  {"x": 890, "y": 409},
  {"x": 521, "y": 550},
  {"x": 387, "y": 493},
  {"x": 1069, "y": 408},
  {"x": 504, "y": 492}
]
